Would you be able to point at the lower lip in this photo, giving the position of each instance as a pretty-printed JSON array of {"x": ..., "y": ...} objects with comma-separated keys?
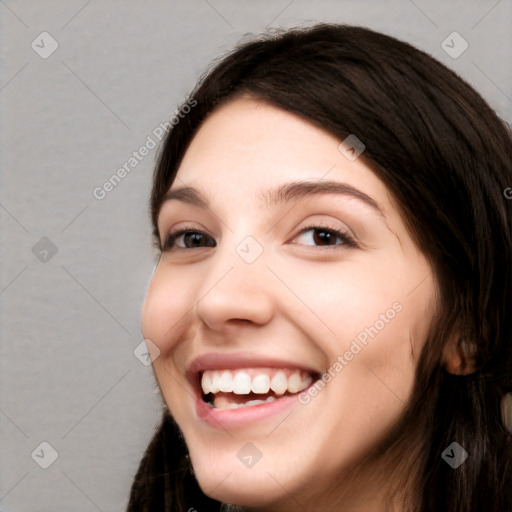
[{"x": 223, "y": 419}]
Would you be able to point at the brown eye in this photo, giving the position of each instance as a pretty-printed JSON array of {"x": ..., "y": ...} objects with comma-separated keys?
[
  {"x": 188, "y": 239},
  {"x": 195, "y": 239},
  {"x": 324, "y": 237}
]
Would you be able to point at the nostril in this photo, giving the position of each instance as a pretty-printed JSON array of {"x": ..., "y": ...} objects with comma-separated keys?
[{"x": 238, "y": 321}]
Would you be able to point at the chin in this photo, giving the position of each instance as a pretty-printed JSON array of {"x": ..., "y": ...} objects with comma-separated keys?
[{"x": 225, "y": 478}]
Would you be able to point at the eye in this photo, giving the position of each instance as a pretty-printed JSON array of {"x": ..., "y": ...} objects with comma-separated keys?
[
  {"x": 188, "y": 239},
  {"x": 324, "y": 237}
]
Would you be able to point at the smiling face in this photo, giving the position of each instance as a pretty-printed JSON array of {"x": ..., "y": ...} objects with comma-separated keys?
[{"x": 290, "y": 306}]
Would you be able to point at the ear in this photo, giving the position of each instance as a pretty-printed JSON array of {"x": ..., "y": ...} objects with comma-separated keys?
[{"x": 459, "y": 356}]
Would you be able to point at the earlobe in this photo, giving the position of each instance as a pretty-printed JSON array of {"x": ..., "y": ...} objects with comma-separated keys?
[
  {"x": 459, "y": 357},
  {"x": 506, "y": 412}
]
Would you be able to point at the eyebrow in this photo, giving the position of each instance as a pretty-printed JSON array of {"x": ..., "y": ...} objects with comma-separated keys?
[{"x": 282, "y": 194}]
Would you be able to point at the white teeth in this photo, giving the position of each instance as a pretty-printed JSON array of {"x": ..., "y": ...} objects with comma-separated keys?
[
  {"x": 226, "y": 382},
  {"x": 242, "y": 384},
  {"x": 297, "y": 383},
  {"x": 260, "y": 384},
  {"x": 259, "y": 381},
  {"x": 248, "y": 404},
  {"x": 206, "y": 382},
  {"x": 279, "y": 383},
  {"x": 256, "y": 402},
  {"x": 294, "y": 382},
  {"x": 215, "y": 381}
]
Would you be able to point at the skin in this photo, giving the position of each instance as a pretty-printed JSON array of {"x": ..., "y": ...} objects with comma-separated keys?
[{"x": 297, "y": 301}]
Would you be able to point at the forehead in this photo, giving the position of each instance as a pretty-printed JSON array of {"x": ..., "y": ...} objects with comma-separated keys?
[{"x": 247, "y": 145}]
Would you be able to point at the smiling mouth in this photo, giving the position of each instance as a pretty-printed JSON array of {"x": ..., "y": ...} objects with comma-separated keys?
[{"x": 249, "y": 387}]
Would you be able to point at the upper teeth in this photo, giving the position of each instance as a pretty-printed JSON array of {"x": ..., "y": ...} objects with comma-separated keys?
[{"x": 261, "y": 381}]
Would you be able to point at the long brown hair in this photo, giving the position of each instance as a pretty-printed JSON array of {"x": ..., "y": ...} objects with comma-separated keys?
[{"x": 446, "y": 158}]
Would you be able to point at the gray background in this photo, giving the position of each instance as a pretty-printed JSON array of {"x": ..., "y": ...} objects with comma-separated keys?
[{"x": 70, "y": 320}]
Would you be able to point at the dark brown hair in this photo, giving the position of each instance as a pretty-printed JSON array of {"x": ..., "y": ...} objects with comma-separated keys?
[{"x": 446, "y": 158}]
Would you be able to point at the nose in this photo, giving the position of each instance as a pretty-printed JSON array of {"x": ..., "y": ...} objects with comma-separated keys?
[{"x": 235, "y": 292}]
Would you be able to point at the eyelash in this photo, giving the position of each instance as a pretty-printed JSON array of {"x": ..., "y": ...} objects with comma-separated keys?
[
  {"x": 346, "y": 239},
  {"x": 170, "y": 241}
]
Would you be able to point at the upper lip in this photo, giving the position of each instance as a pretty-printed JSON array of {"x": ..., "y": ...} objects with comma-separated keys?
[{"x": 223, "y": 361}]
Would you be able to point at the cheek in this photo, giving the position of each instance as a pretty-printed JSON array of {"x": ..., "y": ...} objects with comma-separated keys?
[
  {"x": 373, "y": 321},
  {"x": 169, "y": 300},
  {"x": 165, "y": 320},
  {"x": 368, "y": 293},
  {"x": 343, "y": 299}
]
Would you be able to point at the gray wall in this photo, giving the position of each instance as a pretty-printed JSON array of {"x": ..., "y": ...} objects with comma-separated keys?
[{"x": 70, "y": 319}]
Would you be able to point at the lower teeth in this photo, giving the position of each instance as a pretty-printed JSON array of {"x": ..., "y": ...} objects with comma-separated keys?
[{"x": 247, "y": 404}]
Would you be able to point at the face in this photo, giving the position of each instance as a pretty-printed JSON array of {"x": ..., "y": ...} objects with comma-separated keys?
[{"x": 289, "y": 306}]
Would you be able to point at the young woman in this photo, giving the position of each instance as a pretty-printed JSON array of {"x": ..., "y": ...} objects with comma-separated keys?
[{"x": 332, "y": 304}]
